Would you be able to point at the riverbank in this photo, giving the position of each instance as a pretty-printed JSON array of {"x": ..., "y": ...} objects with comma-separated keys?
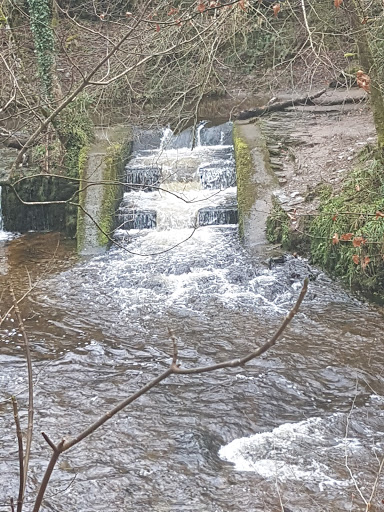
[{"x": 322, "y": 157}]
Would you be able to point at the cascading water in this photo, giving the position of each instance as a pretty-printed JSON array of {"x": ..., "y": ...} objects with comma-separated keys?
[{"x": 176, "y": 187}]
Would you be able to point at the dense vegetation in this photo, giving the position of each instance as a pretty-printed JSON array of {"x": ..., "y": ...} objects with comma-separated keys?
[{"x": 347, "y": 237}]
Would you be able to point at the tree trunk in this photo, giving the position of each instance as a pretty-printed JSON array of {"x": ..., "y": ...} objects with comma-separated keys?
[{"x": 369, "y": 65}]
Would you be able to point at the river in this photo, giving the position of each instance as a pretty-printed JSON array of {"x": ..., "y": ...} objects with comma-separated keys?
[{"x": 301, "y": 428}]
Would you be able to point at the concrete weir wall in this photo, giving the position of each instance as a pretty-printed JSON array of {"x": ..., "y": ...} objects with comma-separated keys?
[
  {"x": 255, "y": 184},
  {"x": 101, "y": 188}
]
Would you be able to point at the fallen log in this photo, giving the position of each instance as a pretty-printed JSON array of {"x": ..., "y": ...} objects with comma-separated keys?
[
  {"x": 342, "y": 101},
  {"x": 277, "y": 107}
]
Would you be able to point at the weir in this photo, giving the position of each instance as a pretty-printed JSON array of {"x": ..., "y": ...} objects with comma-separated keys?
[{"x": 177, "y": 181}]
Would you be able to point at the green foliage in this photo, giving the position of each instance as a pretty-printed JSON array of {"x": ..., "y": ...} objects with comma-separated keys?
[
  {"x": 75, "y": 129},
  {"x": 39, "y": 155},
  {"x": 112, "y": 193},
  {"x": 353, "y": 212},
  {"x": 41, "y": 26},
  {"x": 278, "y": 226}
]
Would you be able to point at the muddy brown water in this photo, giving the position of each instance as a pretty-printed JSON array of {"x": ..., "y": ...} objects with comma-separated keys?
[{"x": 98, "y": 330}]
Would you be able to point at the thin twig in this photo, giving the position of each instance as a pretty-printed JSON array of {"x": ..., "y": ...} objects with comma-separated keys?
[
  {"x": 51, "y": 443},
  {"x": 21, "y": 454},
  {"x": 374, "y": 487},
  {"x": 256, "y": 353},
  {"x": 174, "y": 347},
  {"x": 346, "y": 450},
  {"x": 48, "y": 473}
]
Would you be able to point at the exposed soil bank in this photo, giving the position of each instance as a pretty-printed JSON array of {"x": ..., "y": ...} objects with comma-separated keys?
[
  {"x": 316, "y": 145},
  {"x": 330, "y": 188}
]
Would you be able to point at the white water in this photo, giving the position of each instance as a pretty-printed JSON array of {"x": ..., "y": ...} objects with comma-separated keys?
[
  {"x": 180, "y": 180},
  {"x": 273, "y": 455},
  {"x": 103, "y": 327}
]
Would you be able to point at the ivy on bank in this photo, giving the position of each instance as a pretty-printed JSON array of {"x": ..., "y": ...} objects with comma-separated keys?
[
  {"x": 40, "y": 12},
  {"x": 346, "y": 237},
  {"x": 76, "y": 132}
]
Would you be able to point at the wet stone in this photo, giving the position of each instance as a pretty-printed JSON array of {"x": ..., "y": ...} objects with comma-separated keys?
[
  {"x": 145, "y": 178},
  {"x": 136, "y": 219},
  {"x": 216, "y": 177},
  {"x": 217, "y": 215}
]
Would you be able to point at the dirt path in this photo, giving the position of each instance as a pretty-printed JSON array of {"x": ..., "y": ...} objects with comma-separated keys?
[{"x": 316, "y": 145}]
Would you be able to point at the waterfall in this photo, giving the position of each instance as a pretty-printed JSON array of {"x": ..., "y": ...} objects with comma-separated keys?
[
  {"x": 175, "y": 185},
  {"x": 198, "y": 133}
]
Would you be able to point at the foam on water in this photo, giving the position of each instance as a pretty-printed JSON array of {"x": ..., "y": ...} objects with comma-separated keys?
[
  {"x": 302, "y": 451},
  {"x": 177, "y": 209},
  {"x": 5, "y": 235}
]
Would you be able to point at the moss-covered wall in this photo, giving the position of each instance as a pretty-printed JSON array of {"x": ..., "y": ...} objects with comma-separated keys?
[
  {"x": 101, "y": 188},
  {"x": 246, "y": 195},
  {"x": 67, "y": 153},
  {"x": 21, "y": 217},
  {"x": 80, "y": 218},
  {"x": 113, "y": 176},
  {"x": 255, "y": 184}
]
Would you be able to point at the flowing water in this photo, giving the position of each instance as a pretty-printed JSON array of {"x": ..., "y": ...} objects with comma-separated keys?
[{"x": 302, "y": 427}]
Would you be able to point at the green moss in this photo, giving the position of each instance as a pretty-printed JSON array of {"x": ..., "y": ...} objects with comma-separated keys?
[
  {"x": 82, "y": 162},
  {"x": 246, "y": 195},
  {"x": 115, "y": 161},
  {"x": 279, "y": 230},
  {"x": 110, "y": 175},
  {"x": 353, "y": 211}
]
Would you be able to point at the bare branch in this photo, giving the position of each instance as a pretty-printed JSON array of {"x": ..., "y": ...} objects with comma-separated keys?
[
  {"x": 174, "y": 347},
  {"x": 47, "y": 475},
  {"x": 256, "y": 353},
  {"x": 21, "y": 454},
  {"x": 51, "y": 443},
  {"x": 85, "y": 82},
  {"x": 374, "y": 487}
]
